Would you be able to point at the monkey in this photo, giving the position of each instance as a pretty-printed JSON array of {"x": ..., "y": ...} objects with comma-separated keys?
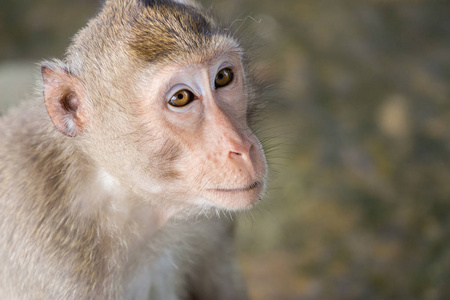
[{"x": 120, "y": 179}]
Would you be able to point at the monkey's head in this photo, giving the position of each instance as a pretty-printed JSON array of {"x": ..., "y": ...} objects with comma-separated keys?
[{"x": 157, "y": 96}]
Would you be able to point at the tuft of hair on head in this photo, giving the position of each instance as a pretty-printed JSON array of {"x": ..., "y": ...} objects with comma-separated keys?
[{"x": 167, "y": 28}]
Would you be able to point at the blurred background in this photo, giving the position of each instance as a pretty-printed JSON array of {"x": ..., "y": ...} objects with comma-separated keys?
[{"x": 357, "y": 132}]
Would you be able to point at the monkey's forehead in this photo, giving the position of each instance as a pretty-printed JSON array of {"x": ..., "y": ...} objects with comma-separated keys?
[{"x": 175, "y": 30}]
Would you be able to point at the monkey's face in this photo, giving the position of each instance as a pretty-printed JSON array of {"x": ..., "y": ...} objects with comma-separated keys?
[
  {"x": 174, "y": 133},
  {"x": 201, "y": 145}
]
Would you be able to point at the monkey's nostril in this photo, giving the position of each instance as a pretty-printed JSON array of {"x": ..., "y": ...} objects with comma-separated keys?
[{"x": 235, "y": 153}]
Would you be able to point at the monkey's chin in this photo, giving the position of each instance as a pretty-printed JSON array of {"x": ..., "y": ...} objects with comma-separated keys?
[{"x": 236, "y": 198}]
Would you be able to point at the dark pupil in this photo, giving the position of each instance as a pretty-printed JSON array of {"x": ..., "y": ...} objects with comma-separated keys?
[
  {"x": 220, "y": 76},
  {"x": 180, "y": 96}
]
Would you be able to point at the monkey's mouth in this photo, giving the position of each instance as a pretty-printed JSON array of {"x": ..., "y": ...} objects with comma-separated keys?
[
  {"x": 250, "y": 187},
  {"x": 237, "y": 198}
]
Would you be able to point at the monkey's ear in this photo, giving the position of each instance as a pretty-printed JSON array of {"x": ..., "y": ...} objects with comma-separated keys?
[{"x": 63, "y": 99}]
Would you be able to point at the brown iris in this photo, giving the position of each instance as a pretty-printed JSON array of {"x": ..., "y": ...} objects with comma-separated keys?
[
  {"x": 181, "y": 98},
  {"x": 223, "y": 78}
]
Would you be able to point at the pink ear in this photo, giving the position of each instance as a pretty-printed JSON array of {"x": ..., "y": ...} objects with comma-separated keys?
[{"x": 63, "y": 100}]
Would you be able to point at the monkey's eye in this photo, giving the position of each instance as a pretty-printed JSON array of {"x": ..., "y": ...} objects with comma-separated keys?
[
  {"x": 223, "y": 78},
  {"x": 181, "y": 98}
]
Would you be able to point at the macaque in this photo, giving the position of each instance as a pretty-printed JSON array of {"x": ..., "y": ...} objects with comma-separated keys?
[{"x": 119, "y": 180}]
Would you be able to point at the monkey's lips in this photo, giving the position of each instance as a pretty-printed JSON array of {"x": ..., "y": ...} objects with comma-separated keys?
[
  {"x": 250, "y": 187},
  {"x": 237, "y": 198}
]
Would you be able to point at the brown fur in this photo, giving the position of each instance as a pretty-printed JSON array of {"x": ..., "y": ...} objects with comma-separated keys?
[{"x": 170, "y": 28}]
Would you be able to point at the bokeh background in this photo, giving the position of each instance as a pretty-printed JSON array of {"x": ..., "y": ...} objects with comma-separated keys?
[{"x": 357, "y": 131}]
